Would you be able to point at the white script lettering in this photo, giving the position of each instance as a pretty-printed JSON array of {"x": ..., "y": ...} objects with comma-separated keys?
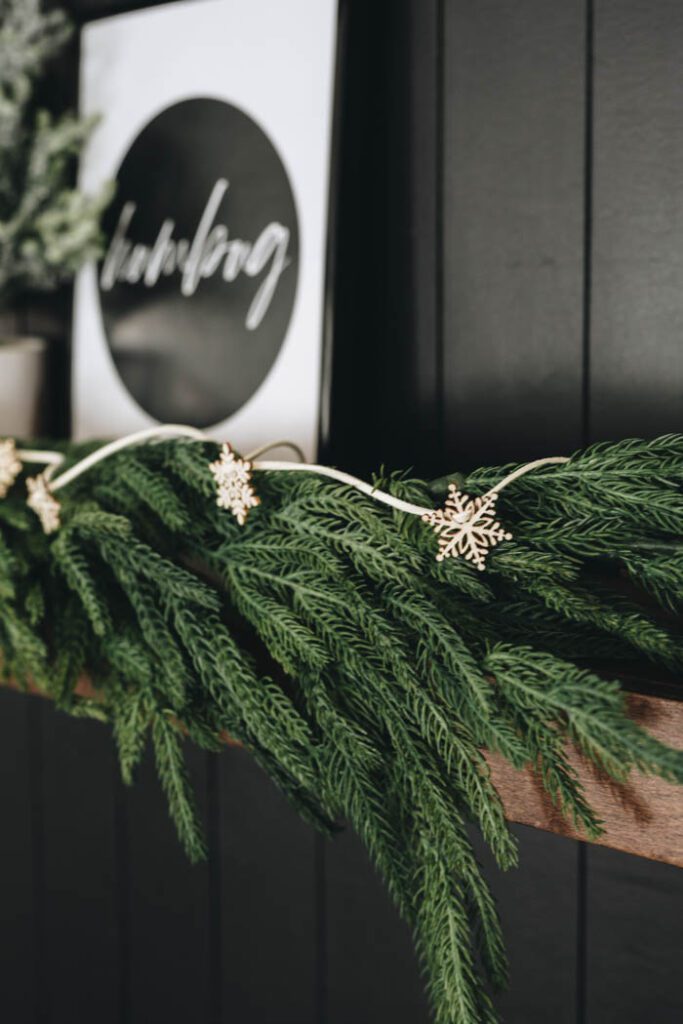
[{"x": 211, "y": 250}]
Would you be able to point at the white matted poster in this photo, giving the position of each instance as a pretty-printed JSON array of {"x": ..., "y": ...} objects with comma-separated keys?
[{"x": 207, "y": 308}]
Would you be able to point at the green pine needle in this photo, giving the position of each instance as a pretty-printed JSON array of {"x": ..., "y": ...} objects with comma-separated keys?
[{"x": 365, "y": 678}]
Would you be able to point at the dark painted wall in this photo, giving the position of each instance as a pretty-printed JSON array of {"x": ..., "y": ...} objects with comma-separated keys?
[{"x": 509, "y": 282}]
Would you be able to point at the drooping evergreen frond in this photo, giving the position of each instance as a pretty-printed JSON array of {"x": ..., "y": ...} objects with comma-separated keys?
[{"x": 367, "y": 679}]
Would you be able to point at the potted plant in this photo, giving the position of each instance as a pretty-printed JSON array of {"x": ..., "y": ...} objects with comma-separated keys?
[{"x": 48, "y": 228}]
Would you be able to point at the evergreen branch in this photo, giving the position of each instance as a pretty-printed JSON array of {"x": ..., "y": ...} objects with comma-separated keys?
[{"x": 364, "y": 677}]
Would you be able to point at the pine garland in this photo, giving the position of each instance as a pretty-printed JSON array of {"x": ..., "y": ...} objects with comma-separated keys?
[{"x": 365, "y": 677}]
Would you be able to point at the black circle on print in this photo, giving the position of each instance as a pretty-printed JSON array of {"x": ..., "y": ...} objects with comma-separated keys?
[{"x": 199, "y": 276}]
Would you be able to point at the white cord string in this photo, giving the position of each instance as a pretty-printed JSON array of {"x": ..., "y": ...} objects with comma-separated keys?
[
  {"x": 44, "y": 458},
  {"x": 152, "y": 434},
  {"x": 276, "y": 444},
  {"x": 527, "y": 468},
  {"x": 54, "y": 459},
  {"x": 344, "y": 478},
  {"x": 389, "y": 499}
]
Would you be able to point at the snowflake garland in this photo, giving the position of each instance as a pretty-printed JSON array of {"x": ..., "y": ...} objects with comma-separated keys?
[
  {"x": 233, "y": 479},
  {"x": 467, "y": 527},
  {"x": 43, "y": 502},
  {"x": 10, "y": 465}
]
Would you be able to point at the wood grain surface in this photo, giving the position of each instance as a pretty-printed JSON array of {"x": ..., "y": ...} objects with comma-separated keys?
[{"x": 643, "y": 816}]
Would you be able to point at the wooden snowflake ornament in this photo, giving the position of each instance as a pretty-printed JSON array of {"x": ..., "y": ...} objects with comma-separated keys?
[
  {"x": 10, "y": 466},
  {"x": 467, "y": 527},
  {"x": 233, "y": 480},
  {"x": 43, "y": 502}
]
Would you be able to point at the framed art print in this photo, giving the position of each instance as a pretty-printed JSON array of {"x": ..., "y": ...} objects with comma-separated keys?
[{"x": 216, "y": 122}]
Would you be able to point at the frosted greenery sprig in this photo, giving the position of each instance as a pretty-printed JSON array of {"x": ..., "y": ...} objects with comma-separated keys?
[
  {"x": 364, "y": 676},
  {"x": 48, "y": 228}
]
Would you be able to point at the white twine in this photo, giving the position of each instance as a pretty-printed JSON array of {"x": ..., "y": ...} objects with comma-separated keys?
[
  {"x": 156, "y": 434},
  {"x": 344, "y": 478},
  {"x": 142, "y": 436},
  {"x": 40, "y": 458},
  {"x": 276, "y": 444},
  {"x": 389, "y": 499}
]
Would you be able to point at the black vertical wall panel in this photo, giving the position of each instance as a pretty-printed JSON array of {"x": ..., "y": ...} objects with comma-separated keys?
[
  {"x": 634, "y": 939},
  {"x": 269, "y": 883},
  {"x": 79, "y": 885},
  {"x": 513, "y": 337},
  {"x": 387, "y": 402},
  {"x": 421, "y": 121},
  {"x": 637, "y": 284},
  {"x": 19, "y": 950},
  {"x": 167, "y": 917},
  {"x": 513, "y": 227},
  {"x": 537, "y": 903},
  {"x": 373, "y": 973}
]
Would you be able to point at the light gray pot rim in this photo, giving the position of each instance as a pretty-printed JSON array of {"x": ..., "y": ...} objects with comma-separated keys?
[{"x": 28, "y": 343}]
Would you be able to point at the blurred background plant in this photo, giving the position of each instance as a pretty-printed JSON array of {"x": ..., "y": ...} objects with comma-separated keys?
[{"x": 48, "y": 228}]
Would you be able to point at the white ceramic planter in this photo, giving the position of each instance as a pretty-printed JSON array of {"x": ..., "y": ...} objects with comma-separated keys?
[{"x": 23, "y": 364}]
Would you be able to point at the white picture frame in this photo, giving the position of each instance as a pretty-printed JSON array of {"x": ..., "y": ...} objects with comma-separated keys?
[{"x": 275, "y": 62}]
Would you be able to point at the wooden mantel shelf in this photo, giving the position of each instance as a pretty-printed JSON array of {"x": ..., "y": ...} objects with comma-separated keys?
[{"x": 643, "y": 817}]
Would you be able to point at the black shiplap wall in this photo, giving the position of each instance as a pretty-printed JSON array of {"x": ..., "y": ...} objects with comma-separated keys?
[{"x": 509, "y": 283}]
